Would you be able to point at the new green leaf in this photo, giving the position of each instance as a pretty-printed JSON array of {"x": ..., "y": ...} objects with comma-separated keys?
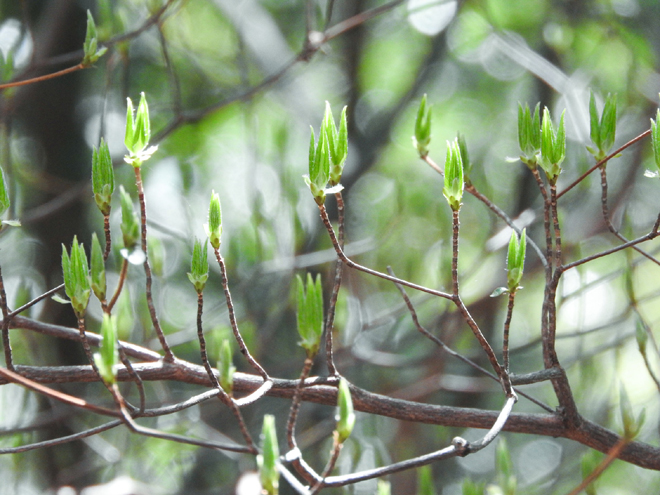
[
  {"x": 269, "y": 459},
  {"x": 346, "y": 416},
  {"x": 108, "y": 359},
  {"x": 199, "y": 271},
  {"x": 422, "y": 137},
  {"x": 310, "y": 313},
  {"x": 453, "y": 187},
  {"x": 138, "y": 133},
  {"x": 214, "y": 227},
  {"x": 103, "y": 177},
  {"x": 529, "y": 134},
  {"x": 76, "y": 277},
  {"x": 98, "y": 269},
  {"x": 553, "y": 146},
  {"x": 516, "y": 260},
  {"x": 226, "y": 367},
  {"x": 130, "y": 225},
  {"x": 90, "y": 47}
]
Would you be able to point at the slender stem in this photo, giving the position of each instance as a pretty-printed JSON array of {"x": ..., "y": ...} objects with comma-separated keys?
[
  {"x": 608, "y": 221},
  {"x": 6, "y": 320},
  {"x": 505, "y": 339},
  {"x": 108, "y": 237},
  {"x": 46, "y": 77},
  {"x": 232, "y": 318},
  {"x": 86, "y": 346},
  {"x": 222, "y": 394},
  {"x": 611, "y": 457},
  {"x": 35, "y": 301},
  {"x": 454, "y": 258},
  {"x": 555, "y": 221},
  {"x": 350, "y": 263},
  {"x": 120, "y": 284},
  {"x": 293, "y": 417},
  {"x": 332, "y": 305},
  {"x": 334, "y": 455},
  {"x": 169, "y": 355},
  {"x": 603, "y": 161}
]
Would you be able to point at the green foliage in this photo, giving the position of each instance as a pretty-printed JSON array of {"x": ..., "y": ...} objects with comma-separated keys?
[
  {"x": 214, "y": 227},
  {"x": 98, "y": 269},
  {"x": 553, "y": 146},
  {"x": 631, "y": 424},
  {"x": 529, "y": 134},
  {"x": 655, "y": 139},
  {"x": 346, "y": 417},
  {"x": 516, "y": 260},
  {"x": 90, "y": 47},
  {"x": 130, "y": 225},
  {"x": 310, "y": 313},
  {"x": 226, "y": 367},
  {"x": 453, "y": 189},
  {"x": 76, "y": 277},
  {"x": 107, "y": 360},
  {"x": 199, "y": 266},
  {"x": 465, "y": 157},
  {"x": 103, "y": 177},
  {"x": 138, "y": 133},
  {"x": 603, "y": 131},
  {"x": 4, "y": 195},
  {"x": 337, "y": 143},
  {"x": 269, "y": 459},
  {"x": 422, "y": 137}
]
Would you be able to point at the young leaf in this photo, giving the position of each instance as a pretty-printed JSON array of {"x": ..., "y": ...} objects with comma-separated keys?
[
  {"x": 103, "y": 177},
  {"x": 553, "y": 146},
  {"x": 130, "y": 225},
  {"x": 138, "y": 133},
  {"x": 655, "y": 139},
  {"x": 108, "y": 359},
  {"x": 226, "y": 367},
  {"x": 422, "y": 137},
  {"x": 199, "y": 271},
  {"x": 346, "y": 417},
  {"x": 214, "y": 227},
  {"x": 529, "y": 134},
  {"x": 90, "y": 47},
  {"x": 269, "y": 459},
  {"x": 453, "y": 186},
  {"x": 310, "y": 314},
  {"x": 4, "y": 195},
  {"x": 516, "y": 260},
  {"x": 76, "y": 277}
]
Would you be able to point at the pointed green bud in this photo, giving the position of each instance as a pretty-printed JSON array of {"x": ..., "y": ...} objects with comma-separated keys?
[
  {"x": 76, "y": 277},
  {"x": 553, "y": 146},
  {"x": 214, "y": 227},
  {"x": 529, "y": 134},
  {"x": 98, "y": 269},
  {"x": 108, "y": 359},
  {"x": 603, "y": 131},
  {"x": 199, "y": 271},
  {"x": 337, "y": 143},
  {"x": 138, "y": 133},
  {"x": 346, "y": 416},
  {"x": 226, "y": 367},
  {"x": 642, "y": 337},
  {"x": 130, "y": 225},
  {"x": 319, "y": 166},
  {"x": 655, "y": 139},
  {"x": 310, "y": 314},
  {"x": 465, "y": 157},
  {"x": 268, "y": 461},
  {"x": 516, "y": 260},
  {"x": 422, "y": 137},
  {"x": 103, "y": 177},
  {"x": 631, "y": 425},
  {"x": 124, "y": 314},
  {"x": 156, "y": 255},
  {"x": 90, "y": 47},
  {"x": 4, "y": 195},
  {"x": 425, "y": 481},
  {"x": 453, "y": 188}
]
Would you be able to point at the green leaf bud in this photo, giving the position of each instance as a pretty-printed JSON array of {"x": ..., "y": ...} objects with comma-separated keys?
[
  {"x": 138, "y": 133},
  {"x": 655, "y": 139},
  {"x": 337, "y": 143},
  {"x": 310, "y": 314},
  {"x": 4, "y": 195},
  {"x": 199, "y": 271},
  {"x": 108, "y": 359},
  {"x": 516, "y": 260},
  {"x": 268, "y": 461},
  {"x": 553, "y": 146},
  {"x": 529, "y": 134},
  {"x": 90, "y": 47},
  {"x": 130, "y": 225},
  {"x": 603, "y": 131},
  {"x": 76, "y": 277},
  {"x": 156, "y": 255},
  {"x": 641, "y": 336},
  {"x": 214, "y": 227},
  {"x": 631, "y": 425},
  {"x": 346, "y": 416},
  {"x": 422, "y": 137},
  {"x": 453, "y": 187},
  {"x": 465, "y": 157},
  {"x": 98, "y": 269},
  {"x": 103, "y": 177},
  {"x": 226, "y": 367}
]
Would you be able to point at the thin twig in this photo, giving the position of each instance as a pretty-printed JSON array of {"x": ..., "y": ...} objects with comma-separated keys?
[
  {"x": 6, "y": 344},
  {"x": 611, "y": 457}
]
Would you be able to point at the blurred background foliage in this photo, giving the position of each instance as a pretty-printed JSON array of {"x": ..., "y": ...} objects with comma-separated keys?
[{"x": 232, "y": 94}]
